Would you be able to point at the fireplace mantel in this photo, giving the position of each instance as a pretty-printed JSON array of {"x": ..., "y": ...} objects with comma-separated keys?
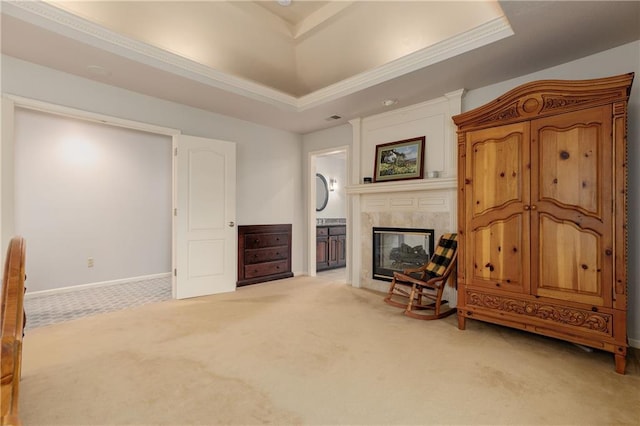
[
  {"x": 420, "y": 203},
  {"x": 403, "y": 186}
]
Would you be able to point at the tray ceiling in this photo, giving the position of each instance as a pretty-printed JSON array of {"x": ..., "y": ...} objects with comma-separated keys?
[
  {"x": 292, "y": 67},
  {"x": 297, "y": 49}
]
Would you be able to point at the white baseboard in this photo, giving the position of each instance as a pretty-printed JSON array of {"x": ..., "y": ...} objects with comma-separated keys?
[
  {"x": 634, "y": 343},
  {"x": 33, "y": 294}
]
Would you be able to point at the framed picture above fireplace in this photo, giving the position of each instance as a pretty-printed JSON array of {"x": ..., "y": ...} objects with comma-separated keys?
[
  {"x": 396, "y": 249},
  {"x": 400, "y": 160}
]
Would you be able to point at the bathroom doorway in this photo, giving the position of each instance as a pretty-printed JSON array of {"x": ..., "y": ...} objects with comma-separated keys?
[{"x": 328, "y": 210}]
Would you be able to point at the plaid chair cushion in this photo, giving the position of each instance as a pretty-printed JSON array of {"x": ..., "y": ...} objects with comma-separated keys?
[{"x": 443, "y": 254}]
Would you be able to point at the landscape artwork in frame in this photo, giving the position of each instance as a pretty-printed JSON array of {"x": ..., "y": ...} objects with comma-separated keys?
[{"x": 400, "y": 160}]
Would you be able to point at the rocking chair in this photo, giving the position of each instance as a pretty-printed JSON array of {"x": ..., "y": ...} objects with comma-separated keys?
[{"x": 421, "y": 288}]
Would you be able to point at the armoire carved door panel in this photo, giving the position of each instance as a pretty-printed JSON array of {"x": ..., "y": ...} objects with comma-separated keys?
[
  {"x": 571, "y": 213},
  {"x": 497, "y": 194},
  {"x": 497, "y": 159},
  {"x": 500, "y": 251},
  {"x": 570, "y": 265}
]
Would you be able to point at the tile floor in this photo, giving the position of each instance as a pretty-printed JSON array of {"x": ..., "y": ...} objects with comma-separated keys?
[
  {"x": 60, "y": 307},
  {"x": 48, "y": 309},
  {"x": 339, "y": 274}
]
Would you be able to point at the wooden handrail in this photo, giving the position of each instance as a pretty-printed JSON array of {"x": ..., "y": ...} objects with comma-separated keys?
[{"x": 12, "y": 326}]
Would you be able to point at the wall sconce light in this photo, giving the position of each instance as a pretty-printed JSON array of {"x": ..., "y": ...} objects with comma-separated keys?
[{"x": 332, "y": 184}]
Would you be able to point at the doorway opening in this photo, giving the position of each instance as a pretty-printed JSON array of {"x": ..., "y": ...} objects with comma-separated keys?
[
  {"x": 81, "y": 156},
  {"x": 328, "y": 212}
]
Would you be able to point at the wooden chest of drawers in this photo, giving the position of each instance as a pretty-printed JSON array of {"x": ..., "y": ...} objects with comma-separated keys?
[{"x": 264, "y": 253}]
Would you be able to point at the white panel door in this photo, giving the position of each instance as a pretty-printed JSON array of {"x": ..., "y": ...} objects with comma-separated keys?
[{"x": 205, "y": 233}]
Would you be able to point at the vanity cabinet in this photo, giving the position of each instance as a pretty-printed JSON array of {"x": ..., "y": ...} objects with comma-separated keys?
[
  {"x": 331, "y": 247},
  {"x": 264, "y": 253},
  {"x": 542, "y": 212}
]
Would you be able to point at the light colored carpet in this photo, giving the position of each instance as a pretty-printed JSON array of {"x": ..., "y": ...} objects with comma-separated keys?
[{"x": 310, "y": 351}]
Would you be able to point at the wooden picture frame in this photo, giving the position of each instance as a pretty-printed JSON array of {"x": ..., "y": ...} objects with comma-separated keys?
[{"x": 400, "y": 160}]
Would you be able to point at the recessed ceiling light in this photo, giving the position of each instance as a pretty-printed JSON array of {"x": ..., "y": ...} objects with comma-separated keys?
[
  {"x": 284, "y": 2},
  {"x": 389, "y": 102},
  {"x": 333, "y": 117}
]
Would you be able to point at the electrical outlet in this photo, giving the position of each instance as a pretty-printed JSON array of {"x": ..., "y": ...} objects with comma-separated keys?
[{"x": 90, "y": 262}]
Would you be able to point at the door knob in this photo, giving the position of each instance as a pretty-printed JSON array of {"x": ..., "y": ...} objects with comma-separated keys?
[{"x": 231, "y": 224}]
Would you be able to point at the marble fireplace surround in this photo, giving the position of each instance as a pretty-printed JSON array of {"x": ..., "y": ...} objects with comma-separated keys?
[{"x": 429, "y": 203}]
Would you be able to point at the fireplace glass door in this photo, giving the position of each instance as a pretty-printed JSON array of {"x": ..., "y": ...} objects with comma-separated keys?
[{"x": 397, "y": 249}]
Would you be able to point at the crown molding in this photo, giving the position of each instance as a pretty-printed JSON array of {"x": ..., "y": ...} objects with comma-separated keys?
[
  {"x": 482, "y": 35},
  {"x": 66, "y": 24}
]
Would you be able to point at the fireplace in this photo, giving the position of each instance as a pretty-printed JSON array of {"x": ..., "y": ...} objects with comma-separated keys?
[{"x": 396, "y": 249}]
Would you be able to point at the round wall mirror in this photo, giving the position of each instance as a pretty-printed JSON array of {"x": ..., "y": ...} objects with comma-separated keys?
[{"x": 322, "y": 192}]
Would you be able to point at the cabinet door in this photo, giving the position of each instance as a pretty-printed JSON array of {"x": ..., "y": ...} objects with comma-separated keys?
[
  {"x": 333, "y": 250},
  {"x": 342, "y": 250},
  {"x": 322, "y": 253},
  {"x": 497, "y": 202},
  {"x": 571, "y": 211}
]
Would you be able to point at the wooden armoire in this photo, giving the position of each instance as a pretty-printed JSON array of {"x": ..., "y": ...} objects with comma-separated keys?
[{"x": 542, "y": 212}]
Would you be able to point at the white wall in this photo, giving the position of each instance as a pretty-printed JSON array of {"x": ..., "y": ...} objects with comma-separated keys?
[
  {"x": 429, "y": 119},
  {"x": 616, "y": 61},
  {"x": 326, "y": 139},
  {"x": 334, "y": 167},
  {"x": 269, "y": 188},
  {"x": 88, "y": 190}
]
